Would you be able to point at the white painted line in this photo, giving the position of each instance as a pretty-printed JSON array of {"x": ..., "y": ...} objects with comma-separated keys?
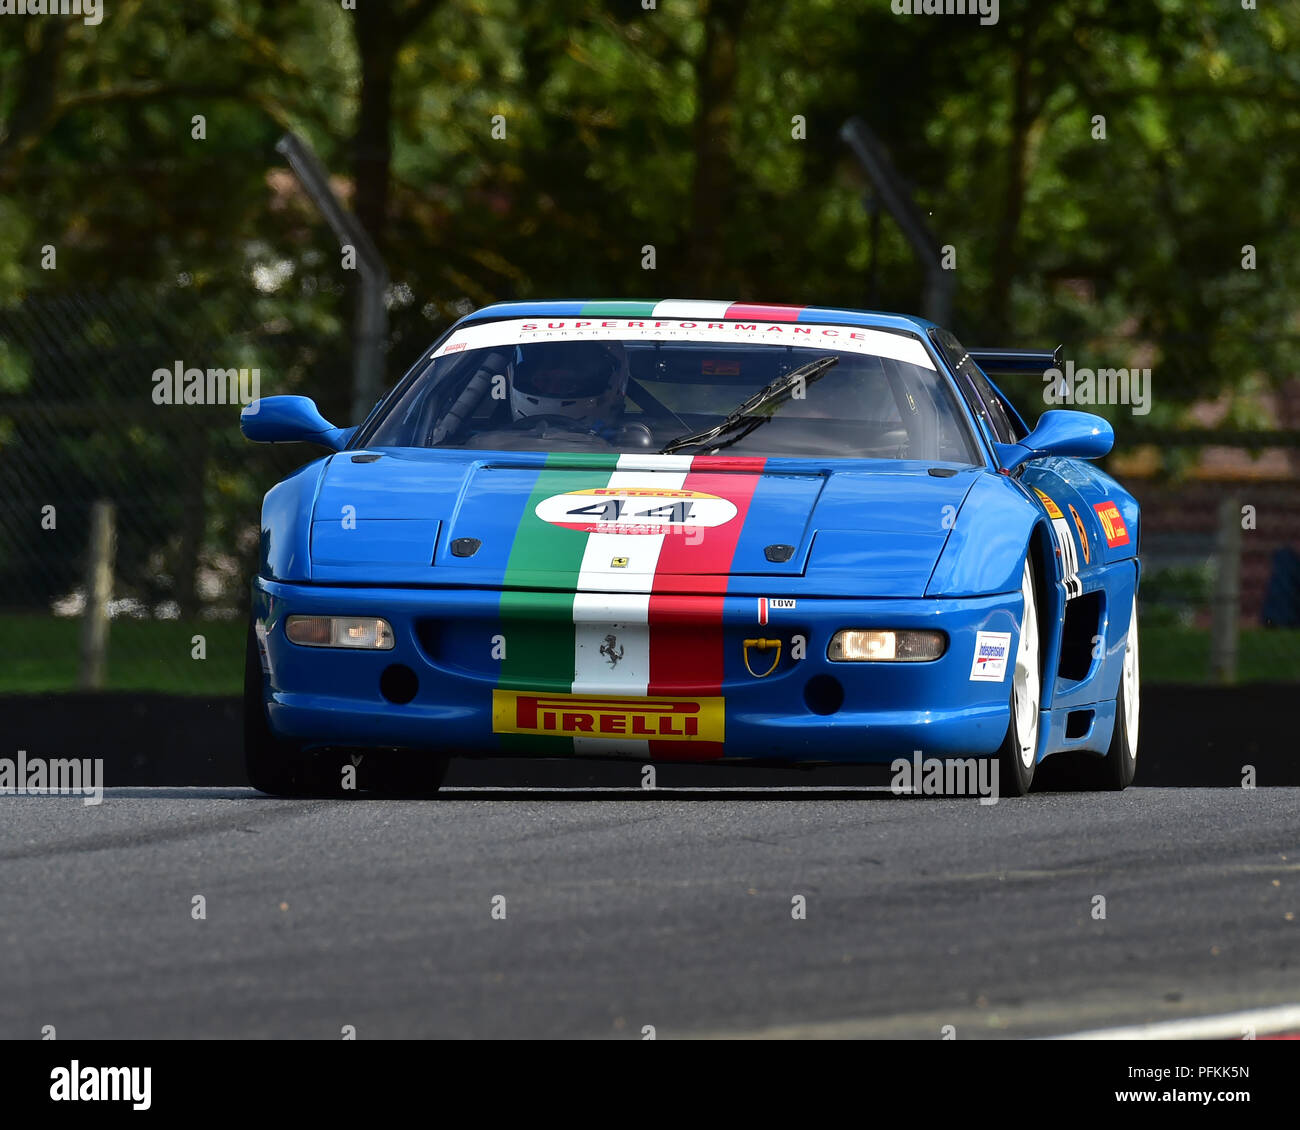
[{"x": 1228, "y": 1026}]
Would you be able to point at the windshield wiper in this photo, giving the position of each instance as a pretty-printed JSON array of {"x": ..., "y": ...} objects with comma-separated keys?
[{"x": 750, "y": 414}]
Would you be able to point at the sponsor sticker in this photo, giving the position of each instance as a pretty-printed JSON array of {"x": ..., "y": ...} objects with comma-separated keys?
[
  {"x": 1053, "y": 511},
  {"x": 767, "y": 604},
  {"x": 991, "y": 651},
  {"x": 635, "y": 510},
  {"x": 1112, "y": 524},
  {"x": 610, "y": 716},
  {"x": 1083, "y": 534}
]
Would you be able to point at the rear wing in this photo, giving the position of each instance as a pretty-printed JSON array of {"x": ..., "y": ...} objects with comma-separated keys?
[{"x": 1018, "y": 360}]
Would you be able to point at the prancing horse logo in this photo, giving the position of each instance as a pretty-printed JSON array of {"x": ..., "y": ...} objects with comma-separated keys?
[{"x": 612, "y": 650}]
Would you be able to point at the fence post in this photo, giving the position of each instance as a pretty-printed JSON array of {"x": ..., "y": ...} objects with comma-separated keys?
[
  {"x": 1227, "y": 593},
  {"x": 99, "y": 591},
  {"x": 893, "y": 193},
  {"x": 372, "y": 313}
]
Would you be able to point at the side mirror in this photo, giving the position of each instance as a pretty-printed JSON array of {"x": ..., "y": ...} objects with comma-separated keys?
[
  {"x": 1060, "y": 432},
  {"x": 291, "y": 419}
]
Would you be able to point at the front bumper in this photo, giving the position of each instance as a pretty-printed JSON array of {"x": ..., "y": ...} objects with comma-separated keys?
[{"x": 807, "y": 710}]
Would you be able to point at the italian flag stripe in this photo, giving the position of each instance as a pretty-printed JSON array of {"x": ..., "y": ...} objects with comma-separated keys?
[
  {"x": 619, "y": 621},
  {"x": 617, "y": 310},
  {"x": 689, "y": 308},
  {"x": 687, "y": 641},
  {"x": 762, "y": 313},
  {"x": 538, "y": 627},
  {"x": 624, "y": 634}
]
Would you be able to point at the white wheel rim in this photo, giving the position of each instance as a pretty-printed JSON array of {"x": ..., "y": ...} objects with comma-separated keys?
[
  {"x": 1131, "y": 681},
  {"x": 1026, "y": 683}
]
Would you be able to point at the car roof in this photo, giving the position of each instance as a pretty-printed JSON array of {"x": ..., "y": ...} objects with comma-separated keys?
[
  {"x": 711, "y": 310},
  {"x": 697, "y": 309}
]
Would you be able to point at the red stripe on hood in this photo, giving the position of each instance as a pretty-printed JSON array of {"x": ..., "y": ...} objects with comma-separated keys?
[
  {"x": 687, "y": 648},
  {"x": 761, "y": 313},
  {"x": 752, "y": 463}
]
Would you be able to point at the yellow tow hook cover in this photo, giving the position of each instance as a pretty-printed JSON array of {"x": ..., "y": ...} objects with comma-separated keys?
[{"x": 763, "y": 645}]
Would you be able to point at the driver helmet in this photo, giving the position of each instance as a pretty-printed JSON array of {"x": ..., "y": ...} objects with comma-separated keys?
[{"x": 583, "y": 380}]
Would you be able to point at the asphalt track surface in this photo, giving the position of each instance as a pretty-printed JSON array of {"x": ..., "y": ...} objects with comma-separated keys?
[{"x": 630, "y": 908}]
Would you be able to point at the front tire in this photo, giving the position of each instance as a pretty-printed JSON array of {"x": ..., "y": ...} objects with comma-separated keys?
[
  {"x": 273, "y": 765},
  {"x": 1120, "y": 765},
  {"x": 285, "y": 768},
  {"x": 408, "y": 773},
  {"x": 1018, "y": 757}
]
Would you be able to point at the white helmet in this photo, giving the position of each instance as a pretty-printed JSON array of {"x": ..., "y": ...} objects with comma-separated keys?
[{"x": 582, "y": 380}]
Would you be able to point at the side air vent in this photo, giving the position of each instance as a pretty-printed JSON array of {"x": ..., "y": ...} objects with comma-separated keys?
[
  {"x": 1078, "y": 723},
  {"x": 1082, "y": 625}
]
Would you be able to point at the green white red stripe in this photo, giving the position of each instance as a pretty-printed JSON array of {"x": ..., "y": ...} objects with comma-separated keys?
[{"x": 615, "y": 632}]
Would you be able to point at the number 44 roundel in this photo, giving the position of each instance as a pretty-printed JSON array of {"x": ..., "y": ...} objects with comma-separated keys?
[{"x": 631, "y": 510}]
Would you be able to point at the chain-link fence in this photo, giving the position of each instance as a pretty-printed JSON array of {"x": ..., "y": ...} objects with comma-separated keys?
[
  {"x": 98, "y": 405},
  {"x": 92, "y": 410}
]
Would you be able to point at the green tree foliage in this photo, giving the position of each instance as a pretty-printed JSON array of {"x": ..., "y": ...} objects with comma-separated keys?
[{"x": 498, "y": 148}]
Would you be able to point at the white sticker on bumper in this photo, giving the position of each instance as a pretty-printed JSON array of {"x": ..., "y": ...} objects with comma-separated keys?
[{"x": 991, "y": 652}]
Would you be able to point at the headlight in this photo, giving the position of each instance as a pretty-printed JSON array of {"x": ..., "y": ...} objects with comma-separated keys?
[
  {"x": 340, "y": 631},
  {"x": 863, "y": 645}
]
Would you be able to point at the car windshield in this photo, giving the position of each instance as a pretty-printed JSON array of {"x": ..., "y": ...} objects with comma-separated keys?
[{"x": 638, "y": 387}]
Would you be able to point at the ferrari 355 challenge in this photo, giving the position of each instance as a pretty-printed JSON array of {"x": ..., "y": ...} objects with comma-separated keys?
[{"x": 692, "y": 531}]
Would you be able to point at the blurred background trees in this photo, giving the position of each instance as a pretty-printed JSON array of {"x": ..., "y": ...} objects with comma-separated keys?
[{"x": 1098, "y": 169}]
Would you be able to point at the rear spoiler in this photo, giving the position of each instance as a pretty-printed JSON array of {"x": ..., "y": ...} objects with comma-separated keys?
[{"x": 1019, "y": 360}]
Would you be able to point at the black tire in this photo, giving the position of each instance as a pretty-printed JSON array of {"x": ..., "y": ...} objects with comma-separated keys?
[
  {"x": 273, "y": 765},
  {"x": 1015, "y": 776},
  {"x": 407, "y": 772},
  {"x": 286, "y": 768}
]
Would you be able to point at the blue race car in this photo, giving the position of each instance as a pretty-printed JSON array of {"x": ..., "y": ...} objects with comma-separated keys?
[{"x": 691, "y": 531}]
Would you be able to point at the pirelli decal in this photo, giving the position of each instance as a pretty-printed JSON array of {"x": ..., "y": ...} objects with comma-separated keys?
[
  {"x": 1053, "y": 511},
  {"x": 659, "y": 718}
]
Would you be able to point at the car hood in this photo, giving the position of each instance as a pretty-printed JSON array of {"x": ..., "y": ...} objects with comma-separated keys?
[{"x": 632, "y": 523}]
